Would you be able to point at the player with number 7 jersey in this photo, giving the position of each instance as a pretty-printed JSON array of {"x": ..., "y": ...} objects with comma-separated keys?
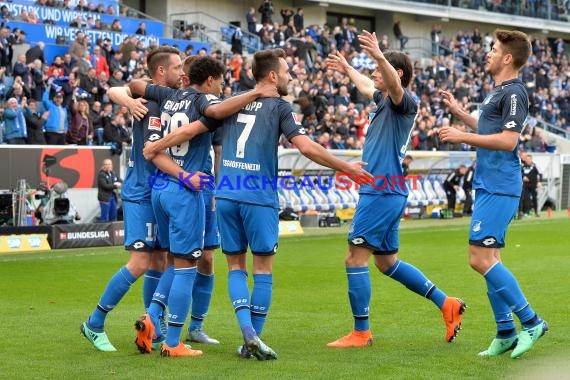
[{"x": 175, "y": 201}]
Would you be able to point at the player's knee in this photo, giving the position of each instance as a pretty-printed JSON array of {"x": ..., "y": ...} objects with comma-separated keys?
[
  {"x": 138, "y": 264},
  {"x": 355, "y": 258},
  {"x": 206, "y": 264},
  {"x": 384, "y": 262},
  {"x": 478, "y": 262}
]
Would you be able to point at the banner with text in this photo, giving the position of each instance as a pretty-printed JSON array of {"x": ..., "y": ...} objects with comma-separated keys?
[
  {"x": 82, "y": 235},
  {"x": 64, "y": 17},
  {"x": 73, "y": 4},
  {"x": 49, "y": 33}
]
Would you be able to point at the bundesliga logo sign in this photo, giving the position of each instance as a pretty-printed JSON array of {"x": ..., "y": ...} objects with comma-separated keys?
[{"x": 84, "y": 235}]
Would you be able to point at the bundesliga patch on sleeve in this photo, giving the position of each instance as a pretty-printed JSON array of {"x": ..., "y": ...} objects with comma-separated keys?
[
  {"x": 296, "y": 118},
  {"x": 154, "y": 123}
]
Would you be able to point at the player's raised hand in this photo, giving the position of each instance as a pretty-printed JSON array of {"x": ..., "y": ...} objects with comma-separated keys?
[
  {"x": 449, "y": 101},
  {"x": 369, "y": 43},
  {"x": 451, "y": 135},
  {"x": 337, "y": 62},
  {"x": 266, "y": 90},
  {"x": 137, "y": 108}
]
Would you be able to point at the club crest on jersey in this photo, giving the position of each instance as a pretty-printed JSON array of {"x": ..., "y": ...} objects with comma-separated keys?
[
  {"x": 296, "y": 118},
  {"x": 488, "y": 99},
  {"x": 154, "y": 123},
  {"x": 476, "y": 226}
]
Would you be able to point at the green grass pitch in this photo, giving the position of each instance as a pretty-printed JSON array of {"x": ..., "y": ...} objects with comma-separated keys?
[{"x": 46, "y": 296}]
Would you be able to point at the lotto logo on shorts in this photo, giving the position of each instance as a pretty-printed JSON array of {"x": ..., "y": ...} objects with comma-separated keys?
[{"x": 154, "y": 123}]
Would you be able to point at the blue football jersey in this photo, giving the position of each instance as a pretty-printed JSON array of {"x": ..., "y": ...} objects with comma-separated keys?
[
  {"x": 180, "y": 107},
  {"x": 505, "y": 108},
  {"x": 386, "y": 143},
  {"x": 249, "y": 158},
  {"x": 135, "y": 186}
]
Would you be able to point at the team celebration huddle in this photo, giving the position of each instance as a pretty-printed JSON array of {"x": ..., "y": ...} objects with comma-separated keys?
[{"x": 173, "y": 231}]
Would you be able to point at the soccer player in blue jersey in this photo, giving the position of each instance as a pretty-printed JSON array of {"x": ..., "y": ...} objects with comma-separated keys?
[
  {"x": 374, "y": 229},
  {"x": 140, "y": 226},
  {"x": 498, "y": 187},
  {"x": 250, "y": 141},
  {"x": 204, "y": 282},
  {"x": 173, "y": 204}
]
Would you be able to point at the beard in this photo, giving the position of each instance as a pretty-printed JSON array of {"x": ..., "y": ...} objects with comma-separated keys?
[{"x": 282, "y": 90}]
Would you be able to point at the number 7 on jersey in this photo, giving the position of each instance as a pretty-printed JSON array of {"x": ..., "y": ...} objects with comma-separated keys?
[{"x": 249, "y": 121}]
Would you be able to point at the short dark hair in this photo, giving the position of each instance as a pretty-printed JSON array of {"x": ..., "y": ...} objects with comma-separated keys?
[
  {"x": 187, "y": 63},
  {"x": 204, "y": 67},
  {"x": 265, "y": 61},
  {"x": 159, "y": 57},
  {"x": 515, "y": 43},
  {"x": 401, "y": 61}
]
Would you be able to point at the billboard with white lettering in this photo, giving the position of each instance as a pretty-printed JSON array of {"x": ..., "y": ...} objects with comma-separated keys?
[{"x": 64, "y": 17}]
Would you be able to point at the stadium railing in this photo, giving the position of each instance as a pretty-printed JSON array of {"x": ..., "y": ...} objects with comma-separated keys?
[{"x": 213, "y": 30}]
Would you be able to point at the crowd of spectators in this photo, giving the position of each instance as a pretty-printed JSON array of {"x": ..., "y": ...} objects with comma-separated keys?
[
  {"x": 546, "y": 9},
  {"x": 65, "y": 101}
]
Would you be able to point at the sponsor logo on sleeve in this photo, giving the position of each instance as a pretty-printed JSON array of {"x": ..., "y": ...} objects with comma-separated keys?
[
  {"x": 513, "y": 104},
  {"x": 510, "y": 125},
  {"x": 153, "y": 137}
]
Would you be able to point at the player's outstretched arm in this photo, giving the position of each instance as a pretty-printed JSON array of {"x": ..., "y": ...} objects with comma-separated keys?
[
  {"x": 369, "y": 43},
  {"x": 185, "y": 133},
  {"x": 122, "y": 96},
  {"x": 451, "y": 103},
  {"x": 168, "y": 166},
  {"x": 232, "y": 105},
  {"x": 506, "y": 140},
  {"x": 364, "y": 84},
  {"x": 320, "y": 155}
]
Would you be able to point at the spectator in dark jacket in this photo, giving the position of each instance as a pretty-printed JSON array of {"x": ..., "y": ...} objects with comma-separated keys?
[
  {"x": 299, "y": 19},
  {"x": 37, "y": 52},
  {"x": 35, "y": 123},
  {"x": 266, "y": 10},
  {"x": 107, "y": 183},
  {"x": 451, "y": 186}
]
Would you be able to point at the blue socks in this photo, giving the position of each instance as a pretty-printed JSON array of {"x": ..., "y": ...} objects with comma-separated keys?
[
  {"x": 116, "y": 289},
  {"x": 260, "y": 300},
  {"x": 239, "y": 295},
  {"x": 413, "y": 279},
  {"x": 507, "y": 287},
  {"x": 160, "y": 298},
  {"x": 201, "y": 296},
  {"x": 179, "y": 300},
  {"x": 151, "y": 279},
  {"x": 359, "y": 295},
  {"x": 502, "y": 312}
]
